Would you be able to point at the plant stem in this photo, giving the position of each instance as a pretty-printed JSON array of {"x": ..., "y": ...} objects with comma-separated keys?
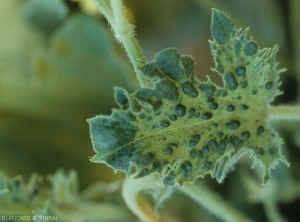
[
  {"x": 286, "y": 113},
  {"x": 212, "y": 202},
  {"x": 201, "y": 194},
  {"x": 131, "y": 193},
  {"x": 124, "y": 33}
]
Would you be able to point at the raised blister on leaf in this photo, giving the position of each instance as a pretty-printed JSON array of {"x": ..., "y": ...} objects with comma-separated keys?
[
  {"x": 121, "y": 97},
  {"x": 186, "y": 128},
  {"x": 168, "y": 61}
]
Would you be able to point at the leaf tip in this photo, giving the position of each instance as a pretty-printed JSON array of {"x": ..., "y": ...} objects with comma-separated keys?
[{"x": 222, "y": 27}]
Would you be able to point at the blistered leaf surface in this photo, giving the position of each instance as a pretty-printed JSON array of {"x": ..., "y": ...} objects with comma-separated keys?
[{"x": 184, "y": 128}]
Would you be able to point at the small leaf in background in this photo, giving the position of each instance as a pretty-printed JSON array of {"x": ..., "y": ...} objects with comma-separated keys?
[
  {"x": 62, "y": 201},
  {"x": 45, "y": 15},
  {"x": 3, "y": 187},
  {"x": 184, "y": 128}
]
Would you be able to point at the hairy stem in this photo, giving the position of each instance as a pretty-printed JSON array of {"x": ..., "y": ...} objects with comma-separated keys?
[
  {"x": 213, "y": 203},
  {"x": 134, "y": 199},
  {"x": 114, "y": 12},
  {"x": 284, "y": 113}
]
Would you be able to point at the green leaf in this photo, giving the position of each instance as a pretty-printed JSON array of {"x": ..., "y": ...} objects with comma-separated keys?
[
  {"x": 184, "y": 128},
  {"x": 222, "y": 27}
]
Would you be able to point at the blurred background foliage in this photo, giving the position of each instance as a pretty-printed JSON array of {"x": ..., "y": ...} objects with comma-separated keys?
[
  {"x": 59, "y": 63},
  {"x": 58, "y": 68}
]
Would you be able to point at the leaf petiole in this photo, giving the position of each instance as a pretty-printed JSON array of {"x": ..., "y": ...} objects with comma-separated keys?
[
  {"x": 131, "y": 193},
  {"x": 284, "y": 113},
  {"x": 114, "y": 12}
]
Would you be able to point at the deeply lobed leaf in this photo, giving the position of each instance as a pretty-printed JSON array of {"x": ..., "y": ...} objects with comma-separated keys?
[{"x": 184, "y": 128}]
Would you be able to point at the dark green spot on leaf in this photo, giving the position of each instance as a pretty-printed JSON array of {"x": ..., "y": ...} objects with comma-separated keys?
[
  {"x": 209, "y": 90},
  {"x": 250, "y": 49},
  {"x": 172, "y": 117},
  {"x": 169, "y": 180},
  {"x": 246, "y": 135},
  {"x": 213, "y": 145},
  {"x": 165, "y": 123},
  {"x": 180, "y": 110},
  {"x": 220, "y": 69},
  {"x": 205, "y": 150},
  {"x": 231, "y": 81},
  {"x": 195, "y": 140},
  {"x": 241, "y": 70},
  {"x": 222, "y": 145},
  {"x": 237, "y": 48},
  {"x": 193, "y": 154},
  {"x": 271, "y": 152},
  {"x": 189, "y": 89},
  {"x": 168, "y": 150},
  {"x": 244, "y": 85},
  {"x": 234, "y": 140},
  {"x": 192, "y": 112},
  {"x": 213, "y": 105},
  {"x": 230, "y": 108},
  {"x": 260, "y": 151},
  {"x": 260, "y": 130},
  {"x": 186, "y": 169},
  {"x": 206, "y": 116},
  {"x": 207, "y": 166},
  {"x": 244, "y": 107},
  {"x": 269, "y": 85}
]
